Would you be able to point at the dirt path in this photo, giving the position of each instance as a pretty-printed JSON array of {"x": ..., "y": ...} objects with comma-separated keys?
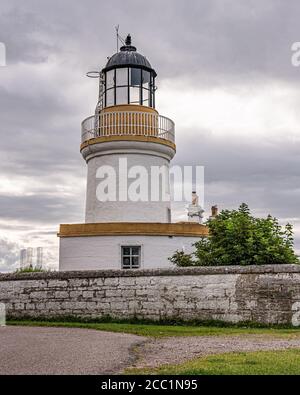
[{"x": 175, "y": 350}]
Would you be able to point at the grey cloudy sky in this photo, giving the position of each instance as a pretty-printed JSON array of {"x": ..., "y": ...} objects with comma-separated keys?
[{"x": 224, "y": 76}]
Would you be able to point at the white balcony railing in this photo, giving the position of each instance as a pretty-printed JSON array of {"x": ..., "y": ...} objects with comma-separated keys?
[{"x": 122, "y": 123}]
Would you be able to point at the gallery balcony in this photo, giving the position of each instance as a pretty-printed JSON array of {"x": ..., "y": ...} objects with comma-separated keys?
[{"x": 115, "y": 121}]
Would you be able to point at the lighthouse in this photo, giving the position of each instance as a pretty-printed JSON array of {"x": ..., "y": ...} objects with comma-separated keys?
[{"x": 128, "y": 147}]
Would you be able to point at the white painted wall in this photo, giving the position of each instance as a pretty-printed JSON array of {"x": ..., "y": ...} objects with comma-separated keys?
[
  {"x": 104, "y": 252},
  {"x": 137, "y": 154}
]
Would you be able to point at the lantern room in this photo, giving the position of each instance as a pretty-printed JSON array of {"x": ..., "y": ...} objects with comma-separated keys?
[{"x": 128, "y": 78}]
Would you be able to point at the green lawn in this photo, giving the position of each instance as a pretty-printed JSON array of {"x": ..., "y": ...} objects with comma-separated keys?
[
  {"x": 285, "y": 362},
  {"x": 153, "y": 330}
]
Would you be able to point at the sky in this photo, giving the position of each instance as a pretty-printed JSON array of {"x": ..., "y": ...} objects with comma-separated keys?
[{"x": 225, "y": 77}]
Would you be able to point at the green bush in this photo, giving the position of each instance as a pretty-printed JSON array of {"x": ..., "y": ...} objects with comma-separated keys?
[
  {"x": 30, "y": 269},
  {"x": 181, "y": 259},
  {"x": 238, "y": 238}
]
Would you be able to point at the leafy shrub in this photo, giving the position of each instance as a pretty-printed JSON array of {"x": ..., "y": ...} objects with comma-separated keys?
[
  {"x": 30, "y": 269},
  {"x": 238, "y": 238},
  {"x": 181, "y": 259}
]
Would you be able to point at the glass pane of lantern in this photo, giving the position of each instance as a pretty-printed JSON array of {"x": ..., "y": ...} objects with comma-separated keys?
[
  {"x": 153, "y": 92},
  {"x": 122, "y": 76},
  {"x": 146, "y": 79},
  {"x": 146, "y": 97},
  {"x": 110, "y": 75},
  {"x": 135, "y": 76},
  {"x": 110, "y": 98},
  {"x": 134, "y": 95},
  {"x": 122, "y": 95}
]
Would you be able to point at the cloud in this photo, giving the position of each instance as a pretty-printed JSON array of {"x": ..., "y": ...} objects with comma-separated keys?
[{"x": 9, "y": 257}]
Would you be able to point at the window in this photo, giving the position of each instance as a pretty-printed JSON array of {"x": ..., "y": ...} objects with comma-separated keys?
[
  {"x": 146, "y": 94},
  {"x": 146, "y": 79},
  {"x": 129, "y": 85},
  {"x": 110, "y": 98},
  {"x": 134, "y": 95},
  {"x": 122, "y": 77},
  {"x": 135, "y": 76},
  {"x": 152, "y": 96},
  {"x": 110, "y": 79},
  {"x": 131, "y": 257},
  {"x": 122, "y": 95}
]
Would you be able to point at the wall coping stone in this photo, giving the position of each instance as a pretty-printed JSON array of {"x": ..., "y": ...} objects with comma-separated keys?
[{"x": 187, "y": 271}]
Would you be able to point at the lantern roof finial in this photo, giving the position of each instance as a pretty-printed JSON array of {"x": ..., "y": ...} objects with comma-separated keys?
[
  {"x": 128, "y": 45},
  {"x": 128, "y": 40}
]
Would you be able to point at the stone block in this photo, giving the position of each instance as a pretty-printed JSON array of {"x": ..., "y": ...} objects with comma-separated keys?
[
  {"x": 57, "y": 283},
  {"x": 111, "y": 282},
  {"x": 61, "y": 295},
  {"x": 75, "y": 294},
  {"x": 87, "y": 294}
]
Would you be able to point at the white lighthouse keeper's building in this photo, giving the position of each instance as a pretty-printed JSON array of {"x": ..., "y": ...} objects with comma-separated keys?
[{"x": 128, "y": 147}]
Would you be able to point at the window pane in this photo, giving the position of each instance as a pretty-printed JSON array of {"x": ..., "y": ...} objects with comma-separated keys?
[
  {"x": 135, "y": 261},
  {"x": 153, "y": 93},
  {"x": 146, "y": 97},
  {"x": 153, "y": 83},
  {"x": 122, "y": 76},
  {"x": 110, "y": 98},
  {"x": 110, "y": 75},
  {"x": 122, "y": 95},
  {"x": 135, "y": 250},
  {"x": 126, "y": 250},
  {"x": 134, "y": 95},
  {"x": 126, "y": 262},
  {"x": 135, "y": 76},
  {"x": 146, "y": 79}
]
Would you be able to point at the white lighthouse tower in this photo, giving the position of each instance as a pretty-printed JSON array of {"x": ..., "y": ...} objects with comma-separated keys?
[{"x": 127, "y": 146}]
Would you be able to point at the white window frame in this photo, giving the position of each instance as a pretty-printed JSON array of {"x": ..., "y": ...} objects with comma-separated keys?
[{"x": 131, "y": 245}]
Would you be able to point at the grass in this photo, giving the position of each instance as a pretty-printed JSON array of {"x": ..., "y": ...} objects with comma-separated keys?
[
  {"x": 285, "y": 362},
  {"x": 156, "y": 330}
]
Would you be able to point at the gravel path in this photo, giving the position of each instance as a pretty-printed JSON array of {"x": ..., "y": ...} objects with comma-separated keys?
[
  {"x": 42, "y": 350},
  {"x": 175, "y": 350}
]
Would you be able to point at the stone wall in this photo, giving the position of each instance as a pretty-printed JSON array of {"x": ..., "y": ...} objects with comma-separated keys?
[{"x": 265, "y": 294}]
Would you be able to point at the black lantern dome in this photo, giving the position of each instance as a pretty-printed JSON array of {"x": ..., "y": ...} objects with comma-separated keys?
[
  {"x": 128, "y": 56},
  {"x": 129, "y": 78}
]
